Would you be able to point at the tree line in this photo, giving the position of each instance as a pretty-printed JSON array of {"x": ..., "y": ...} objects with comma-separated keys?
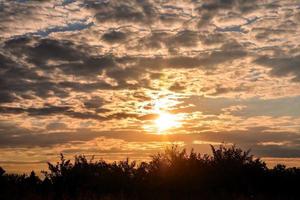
[{"x": 229, "y": 173}]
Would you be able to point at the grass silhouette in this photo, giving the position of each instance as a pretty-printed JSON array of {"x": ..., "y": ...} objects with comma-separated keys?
[{"x": 229, "y": 173}]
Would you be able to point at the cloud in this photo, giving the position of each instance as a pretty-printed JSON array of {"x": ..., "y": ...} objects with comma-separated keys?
[
  {"x": 47, "y": 110},
  {"x": 61, "y": 58},
  {"x": 184, "y": 38},
  {"x": 73, "y": 72},
  {"x": 210, "y": 9},
  {"x": 154, "y": 40},
  {"x": 114, "y": 36},
  {"x": 64, "y": 55},
  {"x": 251, "y": 138},
  {"x": 220, "y": 90},
  {"x": 177, "y": 87},
  {"x": 282, "y": 65},
  {"x": 19, "y": 18},
  {"x": 125, "y": 11},
  {"x": 94, "y": 102},
  {"x": 243, "y": 5},
  {"x": 206, "y": 61},
  {"x": 56, "y": 126}
]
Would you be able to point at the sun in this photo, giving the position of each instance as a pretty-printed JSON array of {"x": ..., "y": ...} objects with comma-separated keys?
[{"x": 166, "y": 121}]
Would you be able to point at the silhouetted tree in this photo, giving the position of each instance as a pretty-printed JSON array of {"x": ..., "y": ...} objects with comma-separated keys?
[{"x": 229, "y": 173}]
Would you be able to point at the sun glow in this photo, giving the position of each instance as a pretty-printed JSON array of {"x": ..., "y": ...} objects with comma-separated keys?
[{"x": 166, "y": 121}]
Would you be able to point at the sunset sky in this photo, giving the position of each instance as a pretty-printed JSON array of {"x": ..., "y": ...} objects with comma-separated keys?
[{"x": 119, "y": 79}]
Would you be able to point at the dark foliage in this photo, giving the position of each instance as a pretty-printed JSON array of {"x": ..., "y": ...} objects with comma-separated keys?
[{"x": 230, "y": 173}]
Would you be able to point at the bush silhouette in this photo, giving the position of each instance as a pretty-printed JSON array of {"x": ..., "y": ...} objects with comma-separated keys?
[{"x": 229, "y": 173}]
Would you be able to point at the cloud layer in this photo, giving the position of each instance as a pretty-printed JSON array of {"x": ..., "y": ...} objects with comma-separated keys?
[{"x": 86, "y": 76}]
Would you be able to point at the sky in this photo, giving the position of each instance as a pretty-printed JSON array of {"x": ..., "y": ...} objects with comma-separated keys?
[{"x": 119, "y": 79}]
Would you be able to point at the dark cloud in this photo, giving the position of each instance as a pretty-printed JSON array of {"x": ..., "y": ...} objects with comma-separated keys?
[
  {"x": 282, "y": 65},
  {"x": 49, "y": 55},
  {"x": 155, "y": 40},
  {"x": 48, "y": 110},
  {"x": 121, "y": 75},
  {"x": 86, "y": 87},
  {"x": 94, "y": 102},
  {"x": 44, "y": 111},
  {"x": 177, "y": 87},
  {"x": 56, "y": 126},
  {"x": 209, "y": 9},
  {"x": 269, "y": 33},
  {"x": 221, "y": 89},
  {"x": 123, "y": 11},
  {"x": 98, "y": 85},
  {"x": 17, "y": 80},
  {"x": 242, "y": 5},
  {"x": 212, "y": 38},
  {"x": 184, "y": 38},
  {"x": 84, "y": 115},
  {"x": 89, "y": 67},
  {"x": 48, "y": 49},
  {"x": 14, "y": 10},
  {"x": 66, "y": 56},
  {"x": 43, "y": 140},
  {"x": 6, "y": 97},
  {"x": 114, "y": 36},
  {"x": 163, "y": 39},
  {"x": 206, "y": 61},
  {"x": 24, "y": 87},
  {"x": 159, "y": 62}
]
